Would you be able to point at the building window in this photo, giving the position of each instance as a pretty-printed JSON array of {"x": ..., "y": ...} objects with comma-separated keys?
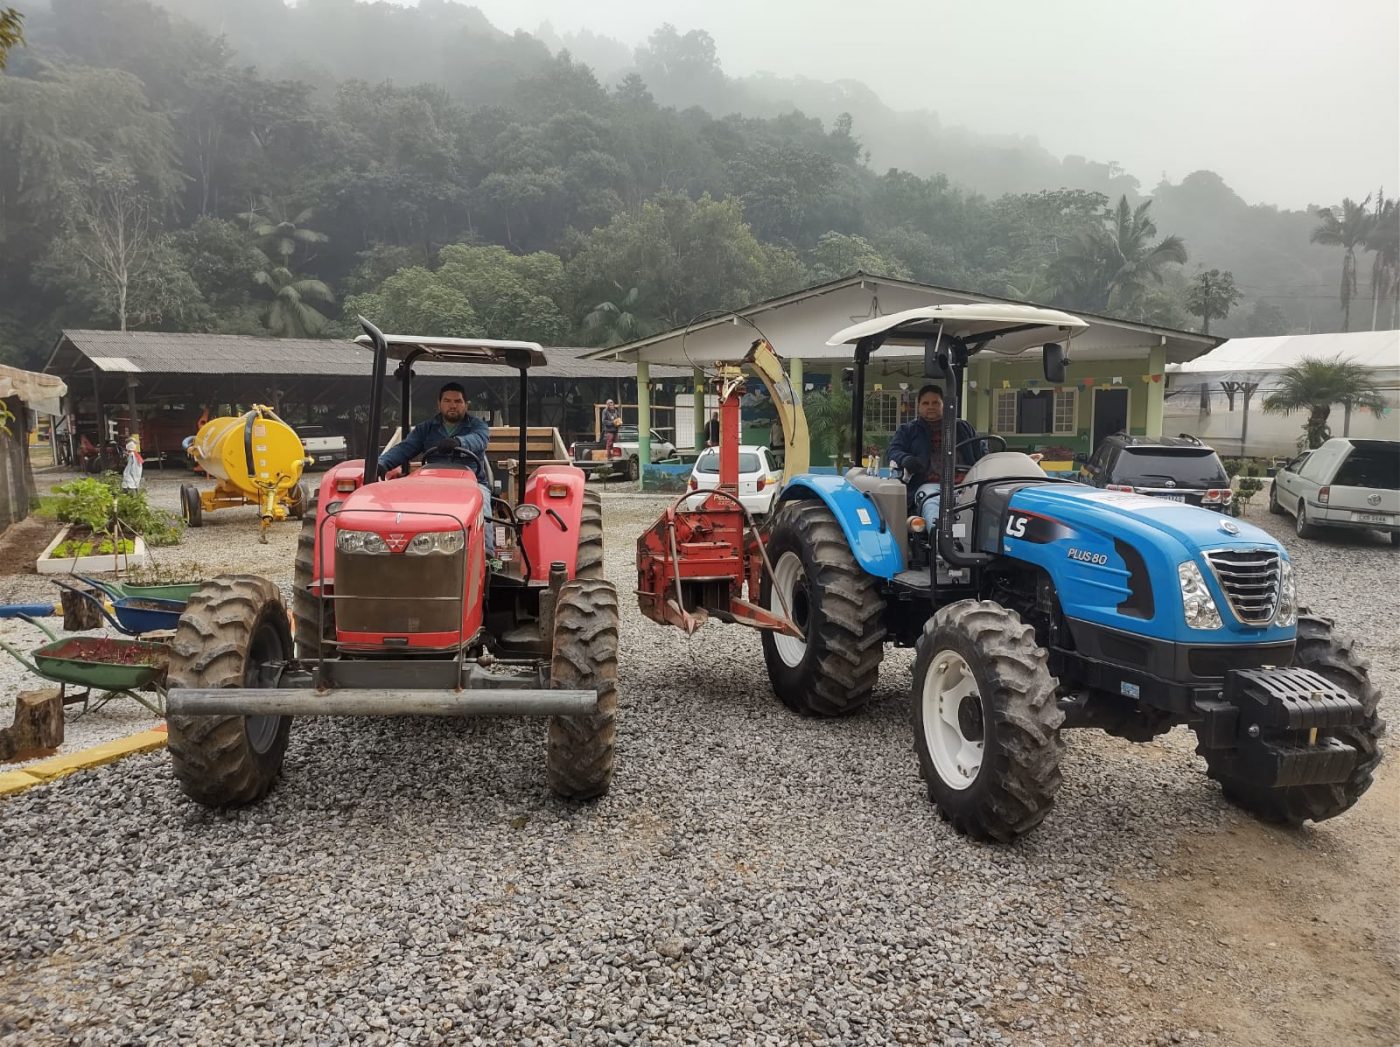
[
  {"x": 882, "y": 411},
  {"x": 1035, "y": 412}
]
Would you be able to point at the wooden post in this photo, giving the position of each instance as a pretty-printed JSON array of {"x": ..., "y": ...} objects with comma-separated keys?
[{"x": 38, "y": 726}]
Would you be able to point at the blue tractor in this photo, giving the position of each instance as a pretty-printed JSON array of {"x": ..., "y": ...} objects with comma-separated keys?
[{"x": 1037, "y": 604}]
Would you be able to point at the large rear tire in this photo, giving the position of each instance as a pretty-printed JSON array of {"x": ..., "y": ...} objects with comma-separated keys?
[
  {"x": 230, "y": 628},
  {"x": 306, "y": 606},
  {"x": 832, "y": 672},
  {"x": 986, "y": 722},
  {"x": 579, "y": 749},
  {"x": 590, "y": 537},
  {"x": 1317, "y": 649}
]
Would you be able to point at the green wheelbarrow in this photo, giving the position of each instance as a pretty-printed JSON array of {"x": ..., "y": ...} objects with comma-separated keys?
[{"x": 95, "y": 663}]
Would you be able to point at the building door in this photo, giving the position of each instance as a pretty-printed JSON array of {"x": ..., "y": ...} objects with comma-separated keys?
[{"x": 1110, "y": 414}]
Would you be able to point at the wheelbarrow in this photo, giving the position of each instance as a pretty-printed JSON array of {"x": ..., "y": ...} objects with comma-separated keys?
[
  {"x": 95, "y": 663},
  {"x": 133, "y": 615},
  {"x": 123, "y": 590}
]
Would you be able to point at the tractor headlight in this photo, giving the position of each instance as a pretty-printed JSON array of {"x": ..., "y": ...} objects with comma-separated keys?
[
  {"x": 431, "y": 542},
  {"x": 361, "y": 542},
  {"x": 526, "y": 513},
  {"x": 1287, "y": 596},
  {"x": 1197, "y": 603}
]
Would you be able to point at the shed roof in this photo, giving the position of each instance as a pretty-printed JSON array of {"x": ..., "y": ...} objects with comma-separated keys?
[
  {"x": 707, "y": 342},
  {"x": 167, "y": 352},
  {"x": 1376, "y": 349}
]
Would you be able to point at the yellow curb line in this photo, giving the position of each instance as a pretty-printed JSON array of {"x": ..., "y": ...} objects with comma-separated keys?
[{"x": 17, "y": 781}]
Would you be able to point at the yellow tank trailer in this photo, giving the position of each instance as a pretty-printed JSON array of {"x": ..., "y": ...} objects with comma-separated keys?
[{"x": 256, "y": 459}]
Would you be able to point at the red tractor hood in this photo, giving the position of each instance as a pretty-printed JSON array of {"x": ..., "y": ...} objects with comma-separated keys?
[{"x": 428, "y": 500}]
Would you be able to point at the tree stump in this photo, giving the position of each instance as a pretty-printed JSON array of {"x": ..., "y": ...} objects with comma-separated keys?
[
  {"x": 79, "y": 613},
  {"x": 38, "y": 726}
]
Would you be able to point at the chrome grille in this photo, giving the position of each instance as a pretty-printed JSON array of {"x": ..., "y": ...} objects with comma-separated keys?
[{"x": 1250, "y": 579}]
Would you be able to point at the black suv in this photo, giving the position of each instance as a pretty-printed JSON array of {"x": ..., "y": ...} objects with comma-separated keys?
[{"x": 1177, "y": 468}]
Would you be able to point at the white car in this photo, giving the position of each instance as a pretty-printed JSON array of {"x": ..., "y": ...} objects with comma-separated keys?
[
  {"x": 1344, "y": 483},
  {"x": 759, "y": 476},
  {"x": 322, "y": 445}
]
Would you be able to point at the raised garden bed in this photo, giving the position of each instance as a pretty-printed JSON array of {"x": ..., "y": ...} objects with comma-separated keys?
[{"x": 51, "y": 561}]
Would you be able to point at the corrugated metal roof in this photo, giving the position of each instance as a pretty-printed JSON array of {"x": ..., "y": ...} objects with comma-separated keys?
[{"x": 166, "y": 352}]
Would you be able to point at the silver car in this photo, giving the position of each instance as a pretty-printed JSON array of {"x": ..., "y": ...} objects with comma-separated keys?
[{"x": 1353, "y": 484}]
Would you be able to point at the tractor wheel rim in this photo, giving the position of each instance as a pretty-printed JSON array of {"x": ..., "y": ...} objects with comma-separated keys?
[
  {"x": 790, "y": 585},
  {"x": 954, "y": 731},
  {"x": 266, "y": 647}
]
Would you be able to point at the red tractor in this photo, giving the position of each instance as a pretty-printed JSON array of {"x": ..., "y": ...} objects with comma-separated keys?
[{"x": 396, "y": 610}]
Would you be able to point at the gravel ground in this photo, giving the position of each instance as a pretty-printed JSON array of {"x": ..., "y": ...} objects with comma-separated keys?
[{"x": 751, "y": 878}]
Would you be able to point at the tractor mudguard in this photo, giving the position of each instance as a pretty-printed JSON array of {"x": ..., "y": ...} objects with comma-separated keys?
[
  {"x": 558, "y": 492},
  {"x": 1114, "y": 557},
  {"x": 871, "y": 542}
]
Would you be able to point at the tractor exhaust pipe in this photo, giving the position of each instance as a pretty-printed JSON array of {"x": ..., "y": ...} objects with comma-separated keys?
[{"x": 303, "y": 701}]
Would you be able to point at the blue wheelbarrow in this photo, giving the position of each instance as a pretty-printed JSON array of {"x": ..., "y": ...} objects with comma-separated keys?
[{"x": 132, "y": 615}]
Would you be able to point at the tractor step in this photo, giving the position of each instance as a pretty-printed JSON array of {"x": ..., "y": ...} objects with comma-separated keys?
[{"x": 304, "y": 701}]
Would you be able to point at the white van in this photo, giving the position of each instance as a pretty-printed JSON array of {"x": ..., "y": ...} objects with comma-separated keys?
[{"x": 1344, "y": 483}]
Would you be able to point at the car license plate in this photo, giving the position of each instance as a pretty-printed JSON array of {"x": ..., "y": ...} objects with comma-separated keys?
[
  {"x": 1376, "y": 518},
  {"x": 1174, "y": 497},
  {"x": 325, "y": 458}
]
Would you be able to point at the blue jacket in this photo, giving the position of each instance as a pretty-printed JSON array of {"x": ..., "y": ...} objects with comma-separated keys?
[
  {"x": 912, "y": 445},
  {"x": 472, "y": 434}
]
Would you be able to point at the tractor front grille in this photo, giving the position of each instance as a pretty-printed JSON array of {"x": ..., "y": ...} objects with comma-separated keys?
[
  {"x": 1250, "y": 578},
  {"x": 398, "y": 593}
]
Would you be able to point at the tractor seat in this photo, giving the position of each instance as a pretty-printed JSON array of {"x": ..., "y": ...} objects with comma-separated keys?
[{"x": 1004, "y": 465}]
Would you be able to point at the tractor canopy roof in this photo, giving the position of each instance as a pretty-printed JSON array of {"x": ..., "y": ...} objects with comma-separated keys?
[
  {"x": 1000, "y": 327},
  {"x": 460, "y": 350}
]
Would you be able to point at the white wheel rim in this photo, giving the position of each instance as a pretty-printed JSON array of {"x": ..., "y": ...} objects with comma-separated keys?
[
  {"x": 949, "y": 700},
  {"x": 788, "y": 575}
]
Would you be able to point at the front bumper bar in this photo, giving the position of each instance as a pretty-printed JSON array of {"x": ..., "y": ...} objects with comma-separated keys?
[{"x": 346, "y": 701}]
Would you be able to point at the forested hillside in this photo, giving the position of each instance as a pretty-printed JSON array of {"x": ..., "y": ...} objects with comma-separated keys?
[{"x": 242, "y": 166}]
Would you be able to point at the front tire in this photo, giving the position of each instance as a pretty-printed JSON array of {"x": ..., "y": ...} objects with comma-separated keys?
[
  {"x": 191, "y": 508},
  {"x": 230, "y": 628},
  {"x": 1304, "y": 527},
  {"x": 832, "y": 672},
  {"x": 986, "y": 722},
  {"x": 1317, "y": 649},
  {"x": 579, "y": 750}
]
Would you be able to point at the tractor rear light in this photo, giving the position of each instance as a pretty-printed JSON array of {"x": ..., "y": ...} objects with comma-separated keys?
[
  {"x": 1198, "y": 606},
  {"x": 557, "y": 490},
  {"x": 1324, "y": 495},
  {"x": 1123, "y": 488},
  {"x": 526, "y": 513},
  {"x": 917, "y": 525},
  {"x": 440, "y": 542},
  {"x": 361, "y": 542},
  {"x": 333, "y": 507},
  {"x": 346, "y": 484}
]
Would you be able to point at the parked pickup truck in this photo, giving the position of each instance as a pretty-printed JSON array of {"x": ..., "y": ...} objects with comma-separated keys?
[
  {"x": 322, "y": 445},
  {"x": 625, "y": 460},
  {"x": 1352, "y": 484}
]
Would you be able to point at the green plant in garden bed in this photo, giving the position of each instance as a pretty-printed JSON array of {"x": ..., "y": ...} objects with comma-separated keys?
[
  {"x": 75, "y": 547},
  {"x": 1248, "y": 487},
  {"x": 100, "y": 504},
  {"x": 184, "y": 572}
]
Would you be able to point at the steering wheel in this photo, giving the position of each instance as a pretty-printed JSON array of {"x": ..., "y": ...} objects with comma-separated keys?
[
  {"x": 978, "y": 439},
  {"x": 457, "y": 452}
]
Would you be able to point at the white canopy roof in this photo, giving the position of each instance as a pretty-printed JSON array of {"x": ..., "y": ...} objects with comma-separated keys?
[
  {"x": 1378, "y": 349},
  {"x": 41, "y": 392},
  {"x": 1009, "y": 328}
]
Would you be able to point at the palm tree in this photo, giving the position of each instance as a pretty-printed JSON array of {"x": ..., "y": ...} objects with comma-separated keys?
[
  {"x": 829, "y": 419},
  {"x": 612, "y": 323},
  {"x": 278, "y": 231},
  {"x": 1345, "y": 227},
  {"x": 1383, "y": 241},
  {"x": 289, "y": 315},
  {"x": 1315, "y": 385},
  {"x": 1112, "y": 264}
]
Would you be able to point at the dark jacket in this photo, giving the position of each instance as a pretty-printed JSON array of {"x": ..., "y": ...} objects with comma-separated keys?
[
  {"x": 472, "y": 434},
  {"x": 911, "y": 448},
  {"x": 712, "y": 431}
]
